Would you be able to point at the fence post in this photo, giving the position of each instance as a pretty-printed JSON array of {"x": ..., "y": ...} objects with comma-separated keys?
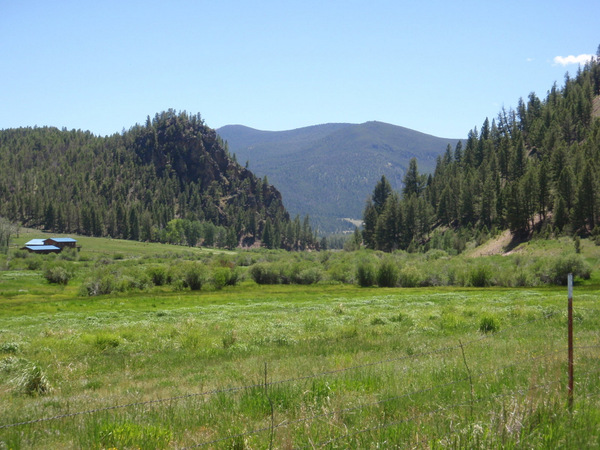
[
  {"x": 272, "y": 409},
  {"x": 570, "y": 338}
]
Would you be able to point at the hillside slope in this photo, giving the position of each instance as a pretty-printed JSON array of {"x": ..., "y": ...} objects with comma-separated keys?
[
  {"x": 169, "y": 180},
  {"x": 327, "y": 171},
  {"x": 532, "y": 171}
]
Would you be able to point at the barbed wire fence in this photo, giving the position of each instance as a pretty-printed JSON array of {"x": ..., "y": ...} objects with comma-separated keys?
[{"x": 266, "y": 385}]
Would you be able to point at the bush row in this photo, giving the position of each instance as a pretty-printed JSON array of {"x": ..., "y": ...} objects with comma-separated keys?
[
  {"x": 363, "y": 267},
  {"x": 191, "y": 275}
]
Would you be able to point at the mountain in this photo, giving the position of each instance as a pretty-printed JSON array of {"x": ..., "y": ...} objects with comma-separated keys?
[
  {"x": 170, "y": 180},
  {"x": 533, "y": 170},
  {"x": 327, "y": 171}
]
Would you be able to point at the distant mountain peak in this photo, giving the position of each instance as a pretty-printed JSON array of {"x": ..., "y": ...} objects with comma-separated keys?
[{"x": 328, "y": 170}]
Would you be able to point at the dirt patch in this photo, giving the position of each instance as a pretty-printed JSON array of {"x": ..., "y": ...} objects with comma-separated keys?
[
  {"x": 495, "y": 246},
  {"x": 596, "y": 107}
]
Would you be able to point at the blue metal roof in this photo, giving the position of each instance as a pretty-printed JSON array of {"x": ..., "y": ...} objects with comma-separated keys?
[
  {"x": 67, "y": 239},
  {"x": 41, "y": 248},
  {"x": 35, "y": 242}
]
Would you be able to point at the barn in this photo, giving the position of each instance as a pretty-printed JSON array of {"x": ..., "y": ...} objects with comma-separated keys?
[
  {"x": 61, "y": 243},
  {"x": 50, "y": 245},
  {"x": 42, "y": 249}
]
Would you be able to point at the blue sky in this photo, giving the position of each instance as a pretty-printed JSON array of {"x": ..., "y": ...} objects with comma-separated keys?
[{"x": 439, "y": 67}]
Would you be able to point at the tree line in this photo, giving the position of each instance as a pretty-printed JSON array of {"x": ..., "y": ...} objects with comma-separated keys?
[
  {"x": 171, "y": 179},
  {"x": 530, "y": 169}
]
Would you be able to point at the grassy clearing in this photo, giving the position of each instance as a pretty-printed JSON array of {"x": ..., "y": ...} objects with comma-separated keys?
[
  {"x": 367, "y": 367},
  {"x": 346, "y": 367}
]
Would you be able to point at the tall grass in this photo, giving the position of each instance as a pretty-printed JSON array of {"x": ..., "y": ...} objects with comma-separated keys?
[
  {"x": 355, "y": 358},
  {"x": 151, "y": 363}
]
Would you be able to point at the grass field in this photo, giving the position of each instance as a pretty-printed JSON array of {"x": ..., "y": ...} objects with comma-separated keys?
[{"x": 292, "y": 366}]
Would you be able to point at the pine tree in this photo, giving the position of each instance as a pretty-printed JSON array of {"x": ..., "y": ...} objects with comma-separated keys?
[
  {"x": 561, "y": 213},
  {"x": 267, "y": 236},
  {"x": 565, "y": 186},
  {"x": 389, "y": 224},
  {"x": 467, "y": 202},
  {"x": 543, "y": 189},
  {"x": 530, "y": 195},
  {"x": 411, "y": 180},
  {"x": 370, "y": 222},
  {"x": 487, "y": 211},
  {"x": 585, "y": 205},
  {"x": 382, "y": 191},
  {"x": 134, "y": 225},
  {"x": 516, "y": 216},
  {"x": 49, "y": 217}
]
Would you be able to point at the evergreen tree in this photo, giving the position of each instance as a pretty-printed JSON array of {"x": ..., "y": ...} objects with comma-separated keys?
[
  {"x": 565, "y": 187},
  {"x": 411, "y": 180},
  {"x": 267, "y": 236},
  {"x": 370, "y": 222},
  {"x": 543, "y": 189},
  {"x": 467, "y": 202},
  {"x": 382, "y": 191},
  {"x": 49, "y": 217},
  {"x": 561, "y": 213},
  {"x": 487, "y": 212},
  {"x": 389, "y": 224},
  {"x": 134, "y": 225},
  {"x": 585, "y": 206},
  {"x": 516, "y": 215}
]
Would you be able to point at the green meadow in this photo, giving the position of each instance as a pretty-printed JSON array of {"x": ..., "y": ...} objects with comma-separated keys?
[{"x": 187, "y": 350}]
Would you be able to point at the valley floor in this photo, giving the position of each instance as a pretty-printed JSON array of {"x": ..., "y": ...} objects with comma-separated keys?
[{"x": 331, "y": 366}]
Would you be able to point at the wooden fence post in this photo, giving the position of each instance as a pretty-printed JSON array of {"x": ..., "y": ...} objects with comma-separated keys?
[{"x": 570, "y": 338}]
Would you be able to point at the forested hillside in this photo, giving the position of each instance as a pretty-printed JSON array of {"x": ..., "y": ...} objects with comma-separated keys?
[
  {"x": 327, "y": 171},
  {"x": 169, "y": 180},
  {"x": 532, "y": 170}
]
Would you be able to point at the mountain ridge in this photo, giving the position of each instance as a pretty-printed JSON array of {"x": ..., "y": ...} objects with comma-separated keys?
[
  {"x": 170, "y": 180},
  {"x": 327, "y": 170}
]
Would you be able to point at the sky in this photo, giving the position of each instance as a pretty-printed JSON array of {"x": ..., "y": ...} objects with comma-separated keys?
[{"x": 439, "y": 67}]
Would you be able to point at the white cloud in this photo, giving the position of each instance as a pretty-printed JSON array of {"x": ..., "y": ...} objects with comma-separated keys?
[{"x": 567, "y": 60}]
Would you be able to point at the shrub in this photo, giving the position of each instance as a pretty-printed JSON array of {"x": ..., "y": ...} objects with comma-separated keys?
[
  {"x": 220, "y": 277},
  {"x": 57, "y": 274},
  {"x": 409, "y": 276},
  {"x": 265, "y": 273},
  {"x": 387, "y": 274},
  {"x": 101, "y": 282},
  {"x": 435, "y": 253},
  {"x": 194, "y": 276},
  {"x": 480, "y": 276},
  {"x": 566, "y": 264},
  {"x": 577, "y": 244},
  {"x": 310, "y": 275},
  {"x": 341, "y": 272},
  {"x": 158, "y": 275},
  {"x": 32, "y": 381},
  {"x": 488, "y": 324},
  {"x": 21, "y": 254},
  {"x": 134, "y": 280},
  {"x": 34, "y": 262},
  {"x": 69, "y": 254},
  {"x": 365, "y": 274}
]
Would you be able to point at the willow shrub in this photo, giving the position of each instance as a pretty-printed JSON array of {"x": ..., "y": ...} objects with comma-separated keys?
[
  {"x": 480, "y": 275},
  {"x": 387, "y": 273},
  {"x": 58, "y": 273},
  {"x": 265, "y": 273},
  {"x": 365, "y": 273}
]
